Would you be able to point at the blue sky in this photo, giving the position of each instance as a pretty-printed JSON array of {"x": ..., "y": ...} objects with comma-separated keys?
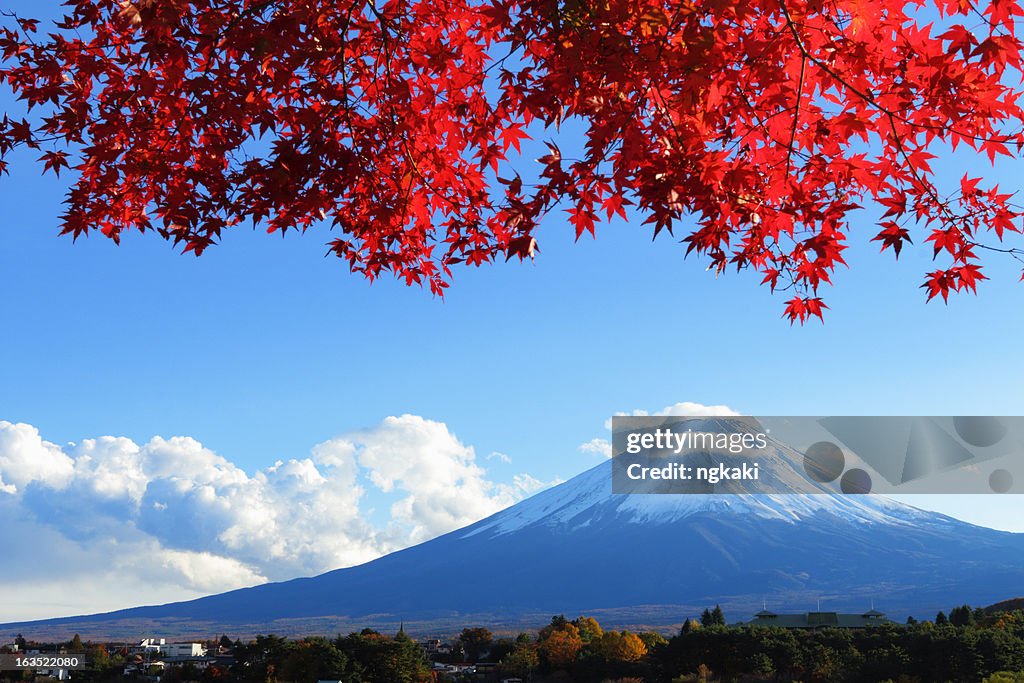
[
  {"x": 263, "y": 348},
  {"x": 527, "y": 359}
]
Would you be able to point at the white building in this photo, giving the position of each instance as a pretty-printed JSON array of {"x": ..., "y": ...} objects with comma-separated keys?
[
  {"x": 150, "y": 646},
  {"x": 59, "y": 674},
  {"x": 183, "y": 650},
  {"x": 159, "y": 647}
]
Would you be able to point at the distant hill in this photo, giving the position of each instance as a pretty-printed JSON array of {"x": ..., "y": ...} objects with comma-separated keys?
[
  {"x": 1005, "y": 606},
  {"x": 627, "y": 559}
]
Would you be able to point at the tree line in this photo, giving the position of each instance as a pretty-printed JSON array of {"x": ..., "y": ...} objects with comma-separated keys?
[{"x": 967, "y": 645}]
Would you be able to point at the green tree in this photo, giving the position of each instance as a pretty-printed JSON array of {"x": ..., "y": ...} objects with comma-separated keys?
[
  {"x": 180, "y": 674},
  {"x": 314, "y": 659},
  {"x": 1005, "y": 677},
  {"x": 689, "y": 626},
  {"x": 98, "y": 658},
  {"x": 521, "y": 662},
  {"x": 475, "y": 642},
  {"x": 652, "y": 639},
  {"x": 713, "y": 617},
  {"x": 260, "y": 660},
  {"x": 962, "y": 616},
  {"x": 379, "y": 659},
  {"x": 499, "y": 649}
]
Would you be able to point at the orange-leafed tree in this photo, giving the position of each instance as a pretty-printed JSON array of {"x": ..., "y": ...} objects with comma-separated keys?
[
  {"x": 621, "y": 647},
  {"x": 751, "y": 129},
  {"x": 589, "y": 628},
  {"x": 560, "y": 647}
]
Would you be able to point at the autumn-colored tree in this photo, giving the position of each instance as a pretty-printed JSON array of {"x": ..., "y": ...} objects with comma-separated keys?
[
  {"x": 652, "y": 639},
  {"x": 522, "y": 661},
  {"x": 313, "y": 659},
  {"x": 560, "y": 647},
  {"x": 98, "y": 657},
  {"x": 589, "y": 628},
  {"x": 754, "y": 128},
  {"x": 382, "y": 659},
  {"x": 621, "y": 647},
  {"x": 558, "y": 623}
]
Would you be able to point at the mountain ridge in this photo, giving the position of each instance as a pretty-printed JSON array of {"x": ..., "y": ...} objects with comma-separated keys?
[{"x": 579, "y": 548}]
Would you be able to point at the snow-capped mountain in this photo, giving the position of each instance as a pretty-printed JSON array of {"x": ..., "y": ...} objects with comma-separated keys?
[{"x": 655, "y": 559}]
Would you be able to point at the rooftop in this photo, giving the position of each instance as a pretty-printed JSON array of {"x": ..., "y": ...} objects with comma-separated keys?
[{"x": 820, "y": 619}]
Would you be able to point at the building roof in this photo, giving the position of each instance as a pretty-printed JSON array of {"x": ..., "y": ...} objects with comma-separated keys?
[
  {"x": 820, "y": 620},
  {"x": 185, "y": 659}
]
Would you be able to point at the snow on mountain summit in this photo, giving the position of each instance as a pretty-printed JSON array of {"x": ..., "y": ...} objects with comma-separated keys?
[
  {"x": 588, "y": 499},
  {"x": 667, "y": 555}
]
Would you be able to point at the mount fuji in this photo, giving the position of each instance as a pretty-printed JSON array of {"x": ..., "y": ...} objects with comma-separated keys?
[{"x": 632, "y": 560}]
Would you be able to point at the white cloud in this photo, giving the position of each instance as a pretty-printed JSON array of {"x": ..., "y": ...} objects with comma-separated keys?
[
  {"x": 597, "y": 446},
  {"x": 62, "y": 575},
  {"x": 25, "y": 457},
  {"x": 502, "y": 457},
  {"x": 682, "y": 408},
  {"x": 688, "y": 408},
  {"x": 603, "y": 447},
  {"x": 171, "y": 519},
  {"x": 440, "y": 483}
]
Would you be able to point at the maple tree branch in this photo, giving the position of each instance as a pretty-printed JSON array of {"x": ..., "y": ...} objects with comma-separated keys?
[
  {"x": 868, "y": 96},
  {"x": 213, "y": 113},
  {"x": 796, "y": 114},
  {"x": 923, "y": 185}
]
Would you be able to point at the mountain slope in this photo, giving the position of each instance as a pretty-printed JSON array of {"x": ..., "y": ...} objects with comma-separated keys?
[{"x": 577, "y": 547}]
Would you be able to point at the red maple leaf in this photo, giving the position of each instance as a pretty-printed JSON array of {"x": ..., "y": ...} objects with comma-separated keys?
[{"x": 757, "y": 128}]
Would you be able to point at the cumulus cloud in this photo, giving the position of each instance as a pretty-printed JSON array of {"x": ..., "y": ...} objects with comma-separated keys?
[
  {"x": 597, "y": 446},
  {"x": 683, "y": 408},
  {"x": 25, "y": 457},
  {"x": 603, "y": 447},
  {"x": 175, "y": 520}
]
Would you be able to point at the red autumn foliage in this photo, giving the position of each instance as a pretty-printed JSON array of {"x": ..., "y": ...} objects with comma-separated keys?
[{"x": 755, "y": 127}]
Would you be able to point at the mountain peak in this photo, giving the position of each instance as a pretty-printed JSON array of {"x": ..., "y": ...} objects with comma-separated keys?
[
  {"x": 633, "y": 559},
  {"x": 588, "y": 498}
]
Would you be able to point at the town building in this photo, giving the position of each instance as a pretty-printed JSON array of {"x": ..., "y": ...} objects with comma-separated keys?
[{"x": 816, "y": 620}]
